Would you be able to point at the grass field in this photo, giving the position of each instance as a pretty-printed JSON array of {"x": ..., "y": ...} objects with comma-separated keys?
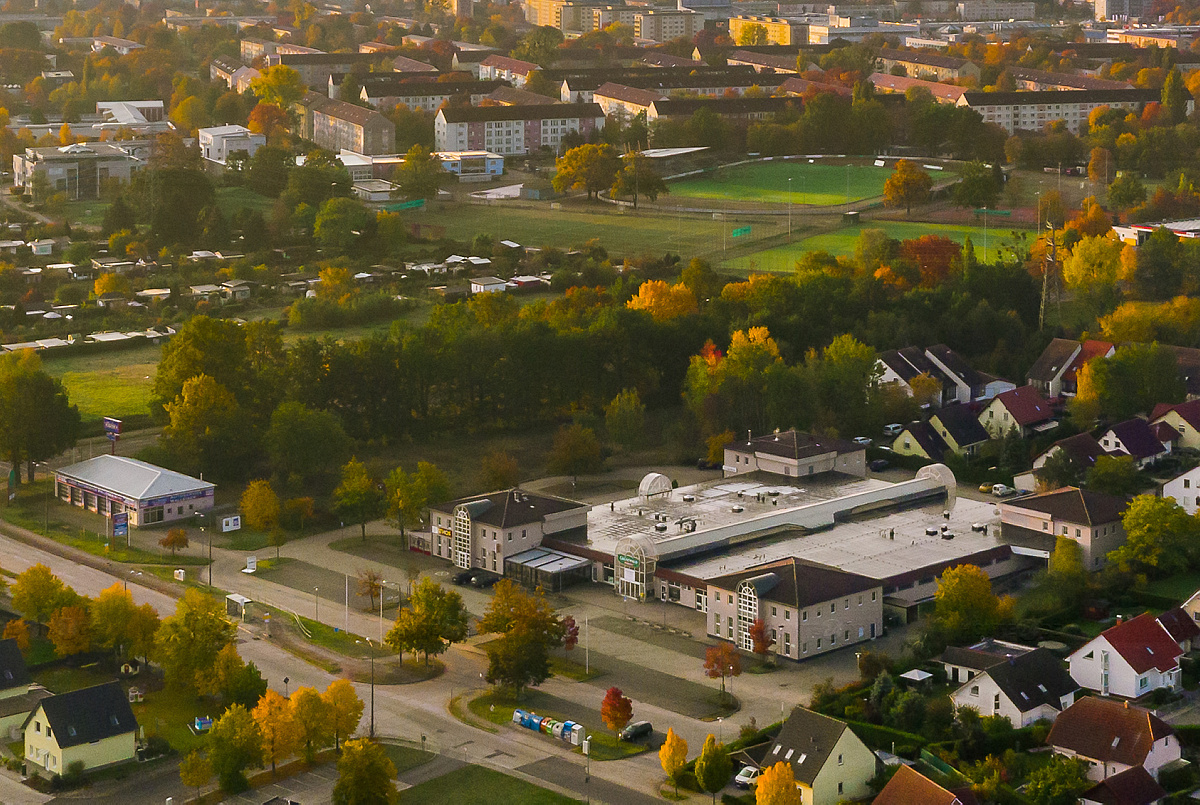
[
  {"x": 817, "y": 184},
  {"x": 475, "y": 785},
  {"x": 622, "y": 234},
  {"x": 113, "y": 383},
  {"x": 842, "y": 242},
  {"x": 90, "y": 213}
]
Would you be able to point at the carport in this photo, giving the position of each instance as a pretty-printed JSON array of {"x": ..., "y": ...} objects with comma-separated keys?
[{"x": 547, "y": 568}]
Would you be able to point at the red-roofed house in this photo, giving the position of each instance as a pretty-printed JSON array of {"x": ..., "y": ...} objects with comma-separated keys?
[
  {"x": 507, "y": 69},
  {"x": 1022, "y": 410},
  {"x": 1131, "y": 659},
  {"x": 1113, "y": 737},
  {"x": 908, "y": 786},
  {"x": 1181, "y": 626},
  {"x": 1090, "y": 350},
  {"x": 1184, "y": 418}
]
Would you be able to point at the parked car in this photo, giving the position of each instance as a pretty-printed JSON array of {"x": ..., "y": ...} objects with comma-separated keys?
[
  {"x": 985, "y": 487},
  {"x": 862, "y": 441},
  {"x": 1003, "y": 490},
  {"x": 484, "y": 580},
  {"x": 879, "y": 465},
  {"x": 636, "y": 731},
  {"x": 893, "y": 430},
  {"x": 464, "y": 577},
  {"x": 746, "y": 778}
]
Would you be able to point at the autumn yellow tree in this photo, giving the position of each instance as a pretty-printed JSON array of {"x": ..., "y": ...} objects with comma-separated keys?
[
  {"x": 17, "y": 629},
  {"x": 280, "y": 735},
  {"x": 965, "y": 606},
  {"x": 662, "y": 301},
  {"x": 260, "y": 506},
  {"x": 70, "y": 631},
  {"x": 777, "y": 786},
  {"x": 926, "y": 389},
  {"x": 110, "y": 283},
  {"x": 313, "y": 719},
  {"x": 345, "y": 709},
  {"x": 908, "y": 185},
  {"x": 337, "y": 283},
  {"x": 176, "y": 539},
  {"x": 672, "y": 755}
]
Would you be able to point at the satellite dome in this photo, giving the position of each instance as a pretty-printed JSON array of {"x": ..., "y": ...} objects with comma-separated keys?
[{"x": 655, "y": 483}]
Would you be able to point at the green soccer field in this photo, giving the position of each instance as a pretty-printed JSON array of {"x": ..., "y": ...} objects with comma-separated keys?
[
  {"x": 841, "y": 243},
  {"x": 817, "y": 184}
]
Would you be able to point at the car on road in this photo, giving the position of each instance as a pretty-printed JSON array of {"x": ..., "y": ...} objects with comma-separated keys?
[
  {"x": 1003, "y": 491},
  {"x": 893, "y": 430},
  {"x": 862, "y": 441},
  {"x": 746, "y": 778},
  {"x": 637, "y": 731},
  {"x": 879, "y": 465}
]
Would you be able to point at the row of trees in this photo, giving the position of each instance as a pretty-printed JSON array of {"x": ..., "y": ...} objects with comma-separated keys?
[{"x": 599, "y": 167}]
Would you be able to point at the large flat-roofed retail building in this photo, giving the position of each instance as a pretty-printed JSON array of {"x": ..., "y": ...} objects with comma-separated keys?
[{"x": 112, "y": 485}]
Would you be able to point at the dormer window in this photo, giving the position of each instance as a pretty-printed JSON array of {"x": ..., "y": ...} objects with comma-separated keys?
[
  {"x": 788, "y": 756},
  {"x": 71, "y": 731}
]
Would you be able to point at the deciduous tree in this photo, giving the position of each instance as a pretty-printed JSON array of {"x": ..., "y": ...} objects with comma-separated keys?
[
  {"x": 434, "y": 618},
  {"x": 760, "y": 637},
  {"x": 112, "y": 615},
  {"x": 280, "y": 736},
  {"x": 70, "y": 631},
  {"x": 664, "y": 301},
  {"x": 1159, "y": 537},
  {"x": 17, "y": 629},
  {"x": 260, "y": 506},
  {"x": 303, "y": 443},
  {"x": 356, "y": 499},
  {"x": 777, "y": 786},
  {"x": 530, "y": 628},
  {"x": 234, "y": 743},
  {"x": 499, "y": 470},
  {"x": 365, "y": 775},
  {"x": 1114, "y": 475},
  {"x": 576, "y": 451},
  {"x": 207, "y": 431},
  {"x": 279, "y": 85},
  {"x": 908, "y": 185},
  {"x": 345, "y": 709},
  {"x": 370, "y": 584},
  {"x": 713, "y": 767},
  {"x": 176, "y": 539},
  {"x": 587, "y": 167},
  {"x": 978, "y": 186},
  {"x": 964, "y": 604},
  {"x": 421, "y": 174},
  {"x": 187, "y": 642},
  {"x": 672, "y": 756},
  {"x": 37, "y": 593},
  {"x": 722, "y": 662},
  {"x": 410, "y": 494},
  {"x": 237, "y": 681},
  {"x": 616, "y": 710},
  {"x": 313, "y": 719},
  {"x": 637, "y": 177},
  {"x": 195, "y": 771},
  {"x": 1059, "y": 782},
  {"x": 37, "y": 420},
  {"x": 625, "y": 419}
]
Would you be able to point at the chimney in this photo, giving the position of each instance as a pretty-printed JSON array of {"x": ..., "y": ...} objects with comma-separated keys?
[{"x": 1118, "y": 620}]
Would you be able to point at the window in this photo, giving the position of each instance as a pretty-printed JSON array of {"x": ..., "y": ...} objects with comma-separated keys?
[
  {"x": 839, "y": 784},
  {"x": 804, "y": 648},
  {"x": 818, "y": 642},
  {"x": 974, "y": 690},
  {"x": 787, "y": 614},
  {"x": 847, "y": 635},
  {"x": 873, "y": 595},
  {"x": 833, "y": 640},
  {"x": 37, "y": 727},
  {"x": 804, "y": 615},
  {"x": 510, "y": 536},
  {"x": 846, "y": 605},
  {"x": 1143, "y": 683},
  {"x": 832, "y": 608},
  {"x": 774, "y": 612}
]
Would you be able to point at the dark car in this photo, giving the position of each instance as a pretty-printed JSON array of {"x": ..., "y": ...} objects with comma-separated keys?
[
  {"x": 483, "y": 580},
  {"x": 463, "y": 577},
  {"x": 637, "y": 731},
  {"x": 878, "y": 465}
]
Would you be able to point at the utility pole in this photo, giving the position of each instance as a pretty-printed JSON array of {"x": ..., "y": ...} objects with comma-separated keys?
[{"x": 1049, "y": 265}]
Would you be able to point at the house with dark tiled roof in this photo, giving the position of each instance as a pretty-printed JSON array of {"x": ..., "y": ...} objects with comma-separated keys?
[
  {"x": 1031, "y": 525},
  {"x": 959, "y": 428},
  {"x": 1046, "y": 374},
  {"x": 970, "y": 385},
  {"x": 1137, "y": 439},
  {"x": 1181, "y": 626},
  {"x": 830, "y": 763},
  {"x": 1183, "y": 418},
  {"x": 1022, "y": 410},
  {"x": 1133, "y": 786},
  {"x": 959, "y": 382},
  {"x": 901, "y": 366},
  {"x": 919, "y": 439},
  {"x": 1029, "y": 687},
  {"x": 1082, "y": 449},
  {"x": 794, "y": 454},
  {"x": 18, "y": 692},
  {"x": 807, "y": 608},
  {"x": 1113, "y": 737},
  {"x": 482, "y": 530},
  {"x": 964, "y": 663},
  {"x": 1131, "y": 659},
  {"x": 909, "y": 786},
  {"x": 93, "y": 726}
]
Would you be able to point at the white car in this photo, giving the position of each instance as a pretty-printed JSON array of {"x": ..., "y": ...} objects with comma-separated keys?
[
  {"x": 1003, "y": 491},
  {"x": 894, "y": 429},
  {"x": 746, "y": 778},
  {"x": 862, "y": 441}
]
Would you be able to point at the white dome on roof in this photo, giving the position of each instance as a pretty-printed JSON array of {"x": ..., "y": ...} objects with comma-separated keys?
[{"x": 655, "y": 483}]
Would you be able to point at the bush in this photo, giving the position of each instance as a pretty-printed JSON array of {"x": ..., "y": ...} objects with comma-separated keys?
[{"x": 1179, "y": 779}]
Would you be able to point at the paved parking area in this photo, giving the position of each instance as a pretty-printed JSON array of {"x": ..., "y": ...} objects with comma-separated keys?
[{"x": 310, "y": 788}]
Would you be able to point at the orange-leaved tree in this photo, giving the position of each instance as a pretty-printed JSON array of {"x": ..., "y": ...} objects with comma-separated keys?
[{"x": 616, "y": 709}]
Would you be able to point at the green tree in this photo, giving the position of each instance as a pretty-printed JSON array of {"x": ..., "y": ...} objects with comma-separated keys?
[
  {"x": 637, "y": 177},
  {"x": 588, "y": 167},
  {"x": 539, "y": 46},
  {"x": 118, "y": 216},
  {"x": 576, "y": 451},
  {"x": 37, "y": 593},
  {"x": 753, "y": 35},
  {"x": 356, "y": 499},
  {"x": 410, "y": 494},
  {"x": 1126, "y": 191},
  {"x": 908, "y": 185},
  {"x": 1159, "y": 537},
  {"x": 195, "y": 771},
  {"x": 187, "y": 642},
  {"x": 713, "y": 767},
  {"x": 978, "y": 186},
  {"x": 260, "y": 506},
  {"x": 279, "y": 85},
  {"x": 204, "y": 346},
  {"x": 234, "y": 743},
  {"x": 1114, "y": 475},
  {"x": 304, "y": 443},
  {"x": 1132, "y": 381},
  {"x": 365, "y": 775},
  {"x": 672, "y": 756},
  {"x": 340, "y": 223},
  {"x": 206, "y": 430},
  {"x": 420, "y": 175},
  {"x": 1059, "y": 782},
  {"x": 499, "y": 470},
  {"x": 530, "y": 628},
  {"x": 37, "y": 420},
  {"x": 625, "y": 419},
  {"x": 1093, "y": 269},
  {"x": 238, "y": 681},
  {"x": 1175, "y": 96},
  {"x": 964, "y": 604},
  {"x": 434, "y": 619},
  {"x": 313, "y": 719}
]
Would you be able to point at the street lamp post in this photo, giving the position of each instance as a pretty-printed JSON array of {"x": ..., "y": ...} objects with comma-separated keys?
[
  {"x": 382, "y": 591},
  {"x": 789, "y": 209},
  {"x": 372, "y": 657},
  {"x": 316, "y": 605}
]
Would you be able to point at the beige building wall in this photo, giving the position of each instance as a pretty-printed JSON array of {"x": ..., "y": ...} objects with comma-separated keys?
[{"x": 845, "y": 774}]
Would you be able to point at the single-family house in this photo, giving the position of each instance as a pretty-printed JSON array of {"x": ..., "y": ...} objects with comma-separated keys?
[
  {"x": 919, "y": 439},
  {"x": 901, "y": 366},
  {"x": 1112, "y": 737},
  {"x": 1055, "y": 371},
  {"x": 1131, "y": 659},
  {"x": 1181, "y": 625},
  {"x": 959, "y": 429},
  {"x": 488, "y": 285},
  {"x": 1135, "y": 438},
  {"x": 970, "y": 385},
  {"x": 1032, "y": 525},
  {"x": 93, "y": 726},
  {"x": 908, "y": 787},
  {"x": 957, "y": 381},
  {"x": 1184, "y": 418},
  {"x": 1030, "y": 687},
  {"x": 1131, "y": 787},
  {"x": 18, "y": 693},
  {"x": 964, "y": 663},
  {"x": 1082, "y": 450},
  {"x": 1192, "y": 606},
  {"x": 236, "y": 290},
  {"x": 830, "y": 763},
  {"x": 1023, "y": 410}
]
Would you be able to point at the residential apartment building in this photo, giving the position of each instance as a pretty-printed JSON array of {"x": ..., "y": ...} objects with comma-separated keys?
[
  {"x": 337, "y": 125},
  {"x": 663, "y": 25},
  {"x": 387, "y": 90},
  {"x": 942, "y": 93},
  {"x": 505, "y": 68},
  {"x": 481, "y": 531},
  {"x": 604, "y": 16},
  {"x": 763, "y": 62},
  {"x": 928, "y": 66},
  {"x": 981, "y": 10},
  {"x": 1032, "y": 525},
  {"x": 81, "y": 170},
  {"x": 510, "y": 130},
  {"x": 315, "y": 68},
  {"x": 1033, "y": 111},
  {"x": 780, "y": 31}
]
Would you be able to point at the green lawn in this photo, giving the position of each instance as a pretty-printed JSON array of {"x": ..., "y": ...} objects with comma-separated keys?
[
  {"x": 475, "y": 785},
  {"x": 91, "y": 213},
  {"x": 818, "y": 184},
  {"x": 841, "y": 243},
  {"x": 622, "y": 234},
  {"x": 406, "y": 757},
  {"x": 110, "y": 383},
  {"x": 1179, "y": 587},
  {"x": 168, "y": 713},
  {"x": 497, "y": 707}
]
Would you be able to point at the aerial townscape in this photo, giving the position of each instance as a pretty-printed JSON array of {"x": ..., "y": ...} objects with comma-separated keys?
[{"x": 619, "y": 401}]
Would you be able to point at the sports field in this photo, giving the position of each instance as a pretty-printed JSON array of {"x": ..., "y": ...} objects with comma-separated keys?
[
  {"x": 818, "y": 183},
  {"x": 841, "y": 243},
  {"x": 631, "y": 233}
]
